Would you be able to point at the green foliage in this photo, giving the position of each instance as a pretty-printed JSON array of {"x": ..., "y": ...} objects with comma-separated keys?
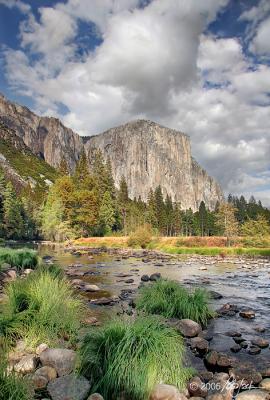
[
  {"x": 169, "y": 299},
  {"x": 258, "y": 227},
  {"x": 131, "y": 357},
  {"x": 141, "y": 237},
  {"x": 12, "y": 215},
  {"x": 12, "y": 386},
  {"x": 28, "y": 165},
  {"x": 41, "y": 308},
  {"x": 19, "y": 258},
  {"x": 107, "y": 212}
]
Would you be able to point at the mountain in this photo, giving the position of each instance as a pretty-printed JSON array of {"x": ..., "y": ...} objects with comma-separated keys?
[
  {"x": 148, "y": 155},
  {"x": 20, "y": 165},
  {"x": 145, "y": 153}
]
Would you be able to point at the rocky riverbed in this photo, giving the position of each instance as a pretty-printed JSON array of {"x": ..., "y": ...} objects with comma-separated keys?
[{"x": 231, "y": 354}]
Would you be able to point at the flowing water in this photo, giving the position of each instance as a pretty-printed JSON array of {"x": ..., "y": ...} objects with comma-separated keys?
[{"x": 242, "y": 282}]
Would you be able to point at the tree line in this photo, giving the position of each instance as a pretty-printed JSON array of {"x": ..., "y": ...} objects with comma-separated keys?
[{"x": 87, "y": 203}]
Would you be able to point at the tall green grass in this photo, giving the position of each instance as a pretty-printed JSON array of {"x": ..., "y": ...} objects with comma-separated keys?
[
  {"x": 169, "y": 299},
  {"x": 19, "y": 258},
  {"x": 40, "y": 308},
  {"x": 131, "y": 357},
  {"x": 12, "y": 387}
]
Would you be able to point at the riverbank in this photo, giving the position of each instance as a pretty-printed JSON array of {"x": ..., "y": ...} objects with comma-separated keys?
[
  {"x": 110, "y": 282},
  {"x": 210, "y": 246}
]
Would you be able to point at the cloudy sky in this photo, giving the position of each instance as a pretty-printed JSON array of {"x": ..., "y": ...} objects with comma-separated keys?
[{"x": 202, "y": 67}]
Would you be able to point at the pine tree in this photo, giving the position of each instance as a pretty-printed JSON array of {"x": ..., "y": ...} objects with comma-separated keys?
[
  {"x": 160, "y": 210},
  {"x": 107, "y": 212},
  {"x": 13, "y": 221},
  {"x": 81, "y": 175},
  {"x": 203, "y": 218},
  {"x": 169, "y": 215},
  {"x": 151, "y": 210},
  {"x": 123, "y": 201},
  {"x": 63, "y": 167}
]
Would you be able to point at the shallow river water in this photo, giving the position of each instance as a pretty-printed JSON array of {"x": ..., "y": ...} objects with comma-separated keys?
[{"x": 241, "y": 282}]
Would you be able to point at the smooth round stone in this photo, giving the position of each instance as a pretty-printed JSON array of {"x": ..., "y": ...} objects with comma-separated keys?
[
  {"x": 260, "y": 342},
  {"x": 254, "y": 394},
  {"x": 247, "y": 313},
  {"x": 254, "y": 350},
  {"x": 265, "y": 384}
]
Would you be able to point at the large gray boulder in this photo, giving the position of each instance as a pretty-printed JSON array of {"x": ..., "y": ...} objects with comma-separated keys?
[
  {"x": 63, "y": 360},
  {"x": 69, "y": 387}
]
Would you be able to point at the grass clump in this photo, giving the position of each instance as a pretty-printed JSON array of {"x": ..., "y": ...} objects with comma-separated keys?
[
  {"x": 131, "y": 357},
  {"x": 19, "y": 258},
  {"x": 141, "y": 237},
  {"x": 41, "y": 308},
  {"x": 12, "y": 387},
  {"x": 169, "y": 299}
]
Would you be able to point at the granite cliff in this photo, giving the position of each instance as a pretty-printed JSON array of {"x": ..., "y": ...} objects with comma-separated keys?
[
  {"x": 148, "y": 155},
  {"x": 145, "y": 153}
]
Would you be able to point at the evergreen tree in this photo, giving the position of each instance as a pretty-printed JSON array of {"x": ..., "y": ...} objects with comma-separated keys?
[
  {"x": 123, "y": 201},
  {"x": 169, "y": 215},
  {"x": 203, "y": 218},
  {"x": 151, "y": 210},
  {"x": 12, "y": 218},
  {"x": 63, "y": 167},
  {"x": 160, "y": 210},
  {"x": 81, "y": 176},
  {"x": 107, "y": 212}
]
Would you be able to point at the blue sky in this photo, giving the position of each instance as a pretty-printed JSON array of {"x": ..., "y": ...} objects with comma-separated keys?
[{"x": 199, "y": 67}]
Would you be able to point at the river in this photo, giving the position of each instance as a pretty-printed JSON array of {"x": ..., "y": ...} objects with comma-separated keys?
[{"x": 242, "y": 282}]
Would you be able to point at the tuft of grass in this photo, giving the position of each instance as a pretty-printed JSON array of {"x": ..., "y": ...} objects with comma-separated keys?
[
  {"x": 19, "y": 258},
  {"x": 41, "y": 308},
  {"x": 169, "y": 299},
  {"x": 131, "y": 357},
  {"x": 12, "y": 387}
]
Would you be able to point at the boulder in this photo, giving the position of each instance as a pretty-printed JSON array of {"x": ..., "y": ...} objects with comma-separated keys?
[
  {"x": 247, "y": 313},
  {"x": 187, "y": 327},
  {"x": 63, "y": 360},
  {"x": 218, "y": 360},
  {"x": 219, "y": 388},
  {"x": 254, "y": 394},
  {"x": 199, "y": 344},
  {"x": 196, "y": 387},
  {"x": 27, "y": 364},
  {"x": 91, "y": 288},
  {"x": 260, "y": 342},
  {"x": 95, "y": 396},
  {"x": 154, "y": 277},
  {"x": 42, "y": 376},
  {"x": 265, "y": 384},
  {"x": 254, "y": 350},
  {"x": 145, "y": 278},
  {"x": 69, "y": 387},
  {"x": 246, "y": 375},
  {"x": 42, "y": 347},
  {"x": 166, "y": 392}
]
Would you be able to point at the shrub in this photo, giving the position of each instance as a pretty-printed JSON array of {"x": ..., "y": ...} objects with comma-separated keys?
[
  {"x": 12, "y": 387},
  {"x": 169, "y": 299},
  {"x": 131, "y": 357},
  {"x": 19, "y": 258},
  {"x": 41, "y": 308},
  {"x": 140, "y": 237}
]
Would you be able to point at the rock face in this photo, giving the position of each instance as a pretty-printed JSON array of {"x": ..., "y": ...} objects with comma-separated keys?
[
  {"x": 145, "y": 153},
  {"x": 148, "y": 155},
  {"x": 46, "y": 137}
]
